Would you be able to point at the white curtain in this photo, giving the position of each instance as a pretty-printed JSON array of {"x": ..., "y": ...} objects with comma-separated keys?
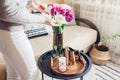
[{"x": 105, "y": 14}]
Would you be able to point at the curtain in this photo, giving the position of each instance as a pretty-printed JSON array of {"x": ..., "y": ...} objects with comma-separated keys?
[{"x": 105, "y": 14}]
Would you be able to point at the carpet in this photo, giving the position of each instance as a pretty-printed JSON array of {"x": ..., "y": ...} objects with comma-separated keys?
[{"x": 109, "y": 72}]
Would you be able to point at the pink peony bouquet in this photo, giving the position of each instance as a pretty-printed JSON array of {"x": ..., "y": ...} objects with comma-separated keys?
[{"x": 61, "y": 13}]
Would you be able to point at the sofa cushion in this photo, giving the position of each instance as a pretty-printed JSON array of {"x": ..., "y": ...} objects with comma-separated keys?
[{"x": 77, "y": 37}]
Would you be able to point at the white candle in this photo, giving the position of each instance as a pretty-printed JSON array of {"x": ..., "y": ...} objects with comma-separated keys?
[{"x": 62, "y": 64}]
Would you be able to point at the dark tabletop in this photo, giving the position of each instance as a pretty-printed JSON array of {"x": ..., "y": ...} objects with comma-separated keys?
[{"x": 44, "y": 66}]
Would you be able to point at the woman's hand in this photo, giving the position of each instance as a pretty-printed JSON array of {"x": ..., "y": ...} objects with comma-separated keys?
[{"x": 51, "y": 22}]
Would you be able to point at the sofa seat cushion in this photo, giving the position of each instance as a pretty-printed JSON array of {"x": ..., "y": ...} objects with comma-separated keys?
[{"x": 77, "y": 37}]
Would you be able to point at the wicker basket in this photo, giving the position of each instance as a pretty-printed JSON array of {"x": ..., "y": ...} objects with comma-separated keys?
[{"x": 99, "y": 57}]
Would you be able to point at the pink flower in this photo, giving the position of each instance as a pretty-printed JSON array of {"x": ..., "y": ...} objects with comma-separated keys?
[
  {"x": 50, "y": 5},
  {"x": 62, "y": 12},
  {"x": 53, "y": 11},
  {"x": 69, "y": 17},
  {"x": 68, "y": 11},
  {"x": 58, "y": 8}
]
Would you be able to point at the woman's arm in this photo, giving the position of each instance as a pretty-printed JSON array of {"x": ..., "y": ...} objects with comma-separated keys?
[{"x": 16, "y": 14}]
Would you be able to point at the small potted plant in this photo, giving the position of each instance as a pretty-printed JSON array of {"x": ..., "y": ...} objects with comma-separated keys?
[{"x": 100, "y": 53}]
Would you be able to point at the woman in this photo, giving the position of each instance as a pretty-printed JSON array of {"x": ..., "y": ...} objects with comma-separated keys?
[{"x": 14, "y": 44}]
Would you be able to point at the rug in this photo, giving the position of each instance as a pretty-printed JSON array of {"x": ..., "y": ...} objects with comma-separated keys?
[{"x": 109, "y": 72}]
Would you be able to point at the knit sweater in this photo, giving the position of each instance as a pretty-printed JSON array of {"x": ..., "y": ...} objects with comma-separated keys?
[{"x": 15, "y": 11}]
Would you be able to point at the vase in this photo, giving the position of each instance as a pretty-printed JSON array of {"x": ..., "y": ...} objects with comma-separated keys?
[{"x": 57, "y": 40}]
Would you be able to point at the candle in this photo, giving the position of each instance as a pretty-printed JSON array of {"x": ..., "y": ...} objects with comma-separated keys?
[{"x": 62, "y": 64}]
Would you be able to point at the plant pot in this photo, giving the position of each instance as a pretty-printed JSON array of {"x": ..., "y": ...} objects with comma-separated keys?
[{"x": 100, "y": 54}]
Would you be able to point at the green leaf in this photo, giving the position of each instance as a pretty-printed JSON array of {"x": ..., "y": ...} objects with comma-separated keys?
[
  {"x": 100, "y": 43},
  {"x": 55, "y": 29},
  {"x": 59, "y": 30},
  {"x": 62, "y": 26}
]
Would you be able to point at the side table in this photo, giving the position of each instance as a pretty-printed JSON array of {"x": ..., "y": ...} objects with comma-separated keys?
[{"x": 44, "y": 66}]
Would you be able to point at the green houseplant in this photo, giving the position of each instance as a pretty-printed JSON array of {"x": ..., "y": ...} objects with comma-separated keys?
[{"x": 100, "y": 53}]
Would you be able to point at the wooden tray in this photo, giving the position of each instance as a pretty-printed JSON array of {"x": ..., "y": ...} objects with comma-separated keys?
[{"x": 74, "y": 69}]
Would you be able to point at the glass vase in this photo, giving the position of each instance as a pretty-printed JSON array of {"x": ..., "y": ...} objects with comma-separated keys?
[{"x": 57, "y": 40}]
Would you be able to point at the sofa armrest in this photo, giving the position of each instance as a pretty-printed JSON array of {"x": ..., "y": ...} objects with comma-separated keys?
[{"x": 91, "y": 25}]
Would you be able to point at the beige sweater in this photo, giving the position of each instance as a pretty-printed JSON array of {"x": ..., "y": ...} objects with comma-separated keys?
[{"x": 15, "y": 11}]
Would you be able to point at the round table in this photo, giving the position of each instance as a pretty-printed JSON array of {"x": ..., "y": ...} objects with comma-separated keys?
[{"x": 44, "y": 66}]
